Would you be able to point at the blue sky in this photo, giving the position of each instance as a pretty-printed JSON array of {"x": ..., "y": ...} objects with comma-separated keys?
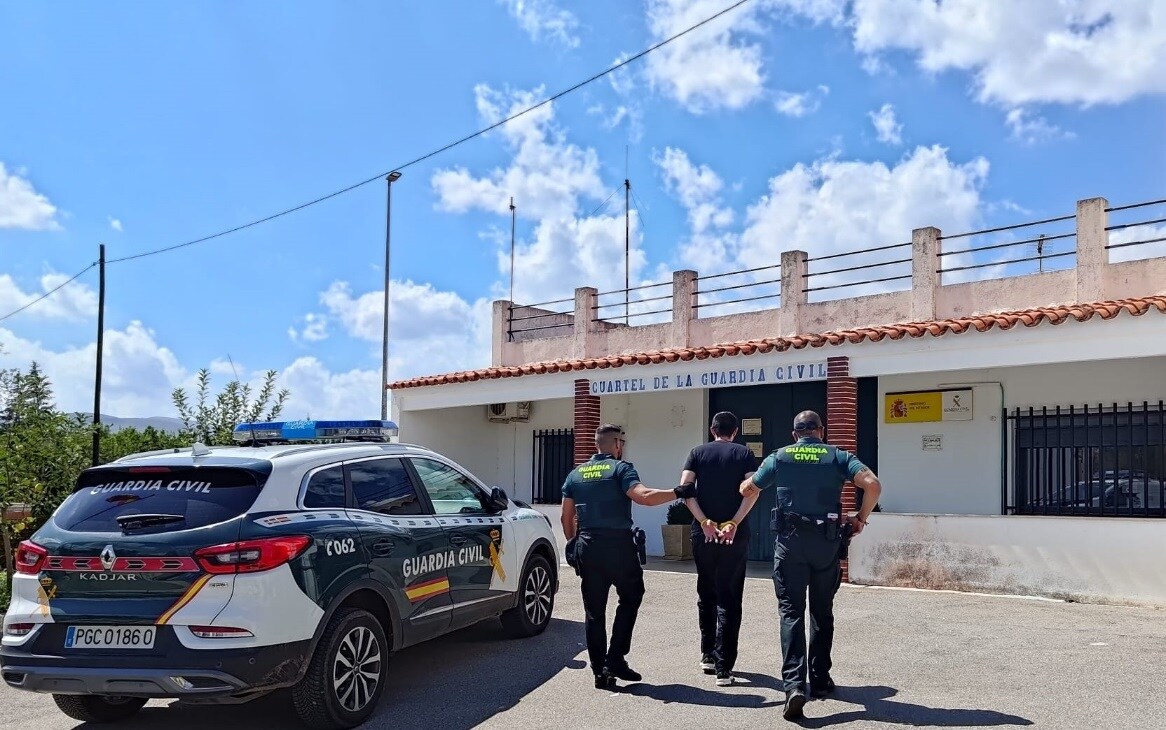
[{"x": 141, "y": 125}]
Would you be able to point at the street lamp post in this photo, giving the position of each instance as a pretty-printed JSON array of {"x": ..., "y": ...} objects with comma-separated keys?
[{"x": 391, "y": 178}]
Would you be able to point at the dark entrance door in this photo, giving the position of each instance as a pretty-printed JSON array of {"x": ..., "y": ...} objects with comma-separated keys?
[{"x": 776, "y": 406}]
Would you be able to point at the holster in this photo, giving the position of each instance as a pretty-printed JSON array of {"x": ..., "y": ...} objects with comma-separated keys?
[
  {"x": 847, "y": 534},
  {"x": 571, "y": 555},
  {"x": 640, "y": 538}
]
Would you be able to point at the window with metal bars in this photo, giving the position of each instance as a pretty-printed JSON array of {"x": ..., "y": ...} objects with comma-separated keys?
[
  {"x": 1104, "y": 461},
  {"x": 554, "y": 458}
]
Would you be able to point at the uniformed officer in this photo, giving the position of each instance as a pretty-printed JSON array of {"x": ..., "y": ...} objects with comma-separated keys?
[
  {"x": 808, "y": 523},
  {"x": 597, "y": 522}
]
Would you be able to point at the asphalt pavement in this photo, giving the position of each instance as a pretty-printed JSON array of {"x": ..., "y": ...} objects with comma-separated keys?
[{"x": 902, "y": 659}]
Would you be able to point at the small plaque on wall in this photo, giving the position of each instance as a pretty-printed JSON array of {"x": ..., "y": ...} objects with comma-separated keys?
[
  {"x": 750, "y": 426},
  {"x": 756, "y": 448},
  {"x": 933, "y": 442}
]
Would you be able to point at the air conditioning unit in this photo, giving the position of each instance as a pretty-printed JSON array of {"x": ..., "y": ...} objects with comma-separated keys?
[{"x": 505, "y": 412}]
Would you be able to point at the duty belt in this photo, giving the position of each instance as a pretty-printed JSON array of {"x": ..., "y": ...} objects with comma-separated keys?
[{"x": 827, "y": 524}]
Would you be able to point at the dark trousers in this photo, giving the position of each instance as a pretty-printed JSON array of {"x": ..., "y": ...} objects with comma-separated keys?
[
  {"x": 608, "y": 558},
  {"x": 720, "y": 586},
  {"x": 804, "y": 560}
]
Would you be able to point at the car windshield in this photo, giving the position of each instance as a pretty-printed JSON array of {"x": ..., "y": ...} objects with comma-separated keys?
[{"x": 199, "y": 495}]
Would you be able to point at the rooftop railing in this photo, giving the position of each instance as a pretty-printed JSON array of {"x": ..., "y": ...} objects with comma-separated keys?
[{"x": 1114, "y": 234}]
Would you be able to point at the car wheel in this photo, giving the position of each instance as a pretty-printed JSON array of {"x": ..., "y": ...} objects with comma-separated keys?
[
  {"x": 98, "y": 708},
  {"x": 346, "y": 676},
  {"x": 536, "y": 600}
]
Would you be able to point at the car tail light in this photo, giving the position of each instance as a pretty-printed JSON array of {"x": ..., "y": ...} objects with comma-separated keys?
[
  {"x": 251, "y": 556},
  {"x": 19, "y": 629},
  {"x": 220, "y": 632},
  {"x": 30, "y": 558}
]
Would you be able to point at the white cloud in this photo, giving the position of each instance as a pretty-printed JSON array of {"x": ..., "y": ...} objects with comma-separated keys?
[
  {"x": 719, "y": 65},
  {"x": 544, "y": 18},
  {"x": 1074, "y": 52},
  {"x": 115, "y": 224},
  {"x": 835, "y": 205},
  {"x": 830, "y": 206},
  {"x": 552, "y": 181},
  {"x": 429, "y": 330},
  {"x": 22, "y": 207},
  {"x": 317, "y": 392},
  {"x": 138, "y": 373},
  {"x": 800, "y": 104},
  {"x": 1150, "y": 242},
  {"x": 1033, "y": 130},
  {"x": 888, "y": 128},
  {"x": 315, "y": 329},
  {"x": 74, "y": 301},
  {"x": 547, "y": 175}
]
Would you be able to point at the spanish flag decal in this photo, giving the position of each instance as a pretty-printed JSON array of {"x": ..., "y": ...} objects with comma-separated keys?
[
  {"x": 427, "y": 589},
  {"x": 496, "y": 553}
]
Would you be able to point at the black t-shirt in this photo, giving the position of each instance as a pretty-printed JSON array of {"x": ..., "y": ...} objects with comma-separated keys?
[{"x": 720, "y": 467}]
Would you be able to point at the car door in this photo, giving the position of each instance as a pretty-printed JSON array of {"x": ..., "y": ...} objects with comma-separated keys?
[
  {"x": 407, "y": 548},
  {"x": 480, "y": 538}
]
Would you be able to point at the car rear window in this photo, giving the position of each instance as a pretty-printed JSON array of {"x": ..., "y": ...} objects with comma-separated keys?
[{"x": 203, "y": 495}]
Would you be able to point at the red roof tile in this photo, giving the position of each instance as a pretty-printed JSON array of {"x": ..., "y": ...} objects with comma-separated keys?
[{"x": 979, "y": 322}]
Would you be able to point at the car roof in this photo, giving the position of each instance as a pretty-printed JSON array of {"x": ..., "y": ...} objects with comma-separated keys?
[{"x": 285, "y": 454}]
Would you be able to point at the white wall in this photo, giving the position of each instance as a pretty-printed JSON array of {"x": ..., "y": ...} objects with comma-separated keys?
[
  {"x": 500, "y": 454},
  {"x": 662, "y": 428},
  {"x": 965, "y": 477},
  {"x": 1082, "y": 558}
]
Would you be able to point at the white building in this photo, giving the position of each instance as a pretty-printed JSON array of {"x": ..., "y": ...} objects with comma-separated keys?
[{"x": 1016, "y": 422}]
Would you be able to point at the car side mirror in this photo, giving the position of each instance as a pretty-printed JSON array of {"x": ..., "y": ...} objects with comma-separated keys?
[{"x": 499, "y": 499}]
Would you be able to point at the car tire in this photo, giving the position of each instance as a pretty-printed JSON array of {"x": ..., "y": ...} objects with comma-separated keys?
[
  {"x": 332, "y": 695},
  {"x": 98, "y": 708},
  {"x": 536, "y": 600}
]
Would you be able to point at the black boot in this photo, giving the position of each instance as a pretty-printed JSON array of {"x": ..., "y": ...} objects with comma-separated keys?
[
  {"x": 795, "y": 700},
  {"x": 604, "y": 681},
  {"x": 622, "y": 671},
  {"x": 821, "y": 688}
]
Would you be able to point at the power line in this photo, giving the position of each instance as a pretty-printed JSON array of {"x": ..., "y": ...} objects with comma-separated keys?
[
  {"x": 408, "y": 164},
  {"x": 49, "y": 293},
  {"x": 440, "y": 150}
]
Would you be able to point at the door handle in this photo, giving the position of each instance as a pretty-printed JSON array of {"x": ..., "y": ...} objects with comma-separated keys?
[
  {"x": 383, "y": 548},
  {"x": 457, "y": 540}
]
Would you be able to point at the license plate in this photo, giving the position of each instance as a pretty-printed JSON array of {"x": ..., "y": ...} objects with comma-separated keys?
[{"x": 110, "y": 637}]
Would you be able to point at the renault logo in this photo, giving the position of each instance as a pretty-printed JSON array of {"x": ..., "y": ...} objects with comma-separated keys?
[{"x": 107, "y": 557}]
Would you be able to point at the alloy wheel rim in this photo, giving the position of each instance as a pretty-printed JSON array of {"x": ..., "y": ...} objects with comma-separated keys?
[
  {"x": 536, "y": 595},
  {"x": 356, "y": 670}
]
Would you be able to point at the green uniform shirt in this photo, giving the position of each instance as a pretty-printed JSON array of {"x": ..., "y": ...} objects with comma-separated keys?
[
  {"x": 808, "y": 476},
  {"x": 599, "y": 488}
]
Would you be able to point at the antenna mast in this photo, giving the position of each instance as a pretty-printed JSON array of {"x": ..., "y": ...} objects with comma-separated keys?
[
  {"x": 511, "y": 249},
  {"x": 627, "y": 240}
]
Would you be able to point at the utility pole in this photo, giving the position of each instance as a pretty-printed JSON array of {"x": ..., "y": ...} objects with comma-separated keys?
[
  {"x": 392, "y": 177},
  {"x": 100, "y": 347},
  {"x": 512, "y": 250}
]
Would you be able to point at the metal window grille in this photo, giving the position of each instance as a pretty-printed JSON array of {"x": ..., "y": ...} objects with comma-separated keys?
[
  {"x": 1103, "y": 461},
  {"x": 554, "y": 458}
]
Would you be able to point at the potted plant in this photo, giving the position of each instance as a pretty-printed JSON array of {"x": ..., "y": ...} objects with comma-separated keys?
[{"x": 677, "y": 532}]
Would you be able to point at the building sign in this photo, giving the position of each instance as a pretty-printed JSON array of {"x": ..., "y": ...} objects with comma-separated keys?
[
  {"x": 928, "y": 406},
  {"x": 933, "y": 442},
  {"x": 721, "y": 378},
  {"x": 756, "y": 447},
  {"x": 750, "y": 426}
]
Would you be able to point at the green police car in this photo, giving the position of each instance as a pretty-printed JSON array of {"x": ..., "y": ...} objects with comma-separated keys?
[{"x": 299, "y": 559}]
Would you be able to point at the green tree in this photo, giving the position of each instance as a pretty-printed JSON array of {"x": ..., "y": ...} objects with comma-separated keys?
[
  {"x": 42, "y": 450},
  {"x": 212, "y": 422}
]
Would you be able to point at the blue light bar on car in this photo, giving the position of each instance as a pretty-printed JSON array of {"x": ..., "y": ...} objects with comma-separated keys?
[{"x": 315, "y": 431}]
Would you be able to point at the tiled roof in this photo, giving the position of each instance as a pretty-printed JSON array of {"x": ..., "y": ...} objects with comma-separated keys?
[{"x": 959, "y": 325}]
